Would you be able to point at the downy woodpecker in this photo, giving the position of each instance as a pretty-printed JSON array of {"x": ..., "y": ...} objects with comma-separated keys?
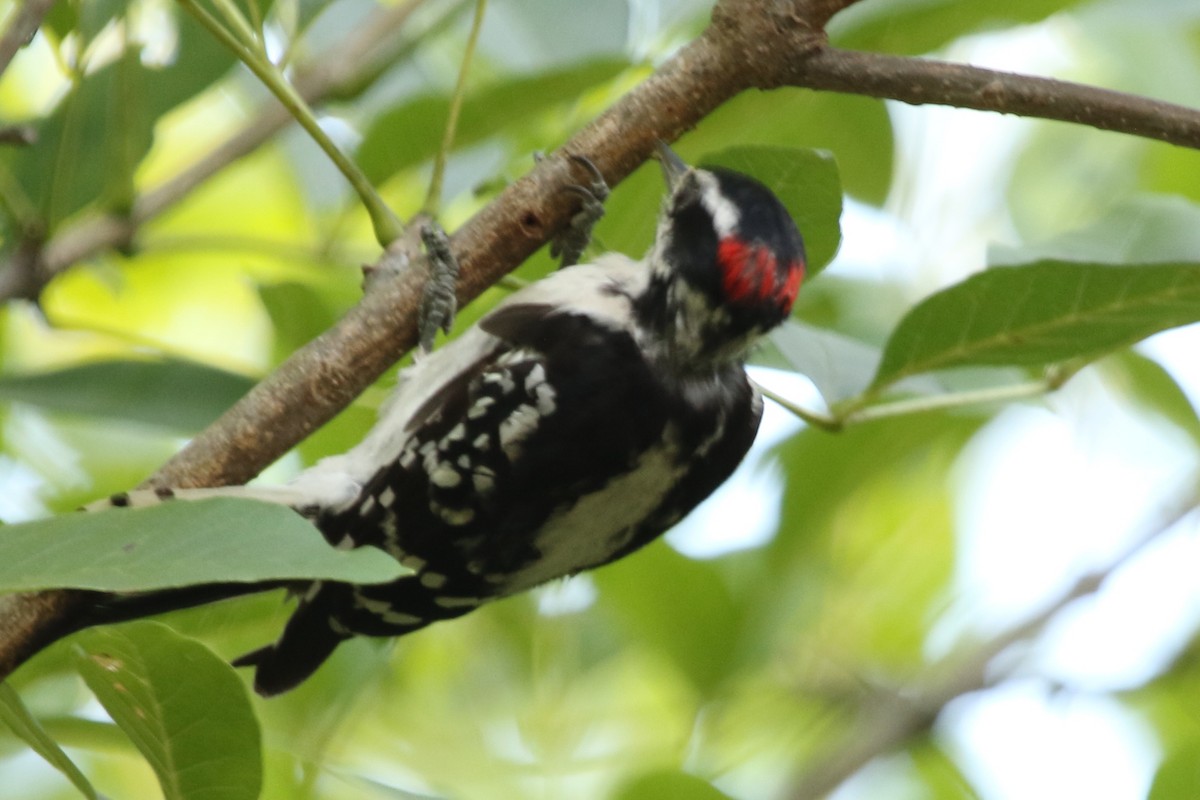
[{"x": 574, "y": 423}]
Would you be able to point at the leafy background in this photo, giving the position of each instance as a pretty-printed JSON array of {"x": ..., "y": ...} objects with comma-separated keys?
[{"x": 841, "y": 585}]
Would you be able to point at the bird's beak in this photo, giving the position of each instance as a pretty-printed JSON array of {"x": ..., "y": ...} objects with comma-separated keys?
[{"x": 673, "y": 166}]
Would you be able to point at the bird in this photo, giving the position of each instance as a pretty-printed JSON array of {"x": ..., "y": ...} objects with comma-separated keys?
[{"x": 573, "y": 424}]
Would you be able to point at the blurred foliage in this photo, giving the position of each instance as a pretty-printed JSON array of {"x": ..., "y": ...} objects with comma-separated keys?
[
  {"x": 666, "y": 675},
  {"x": 171, "y": 393}
]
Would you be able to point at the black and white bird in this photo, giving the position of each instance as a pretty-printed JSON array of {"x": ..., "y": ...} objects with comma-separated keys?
[{"x": 573, "y": 424}]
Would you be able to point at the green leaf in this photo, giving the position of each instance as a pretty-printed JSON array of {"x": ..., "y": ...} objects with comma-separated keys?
[
  {"x": 63, "y": 17},
  {"x": 86, "y": 146},
  {"x": 135, "y": 128},
  {"x": 808, "y": 184},
  {"x": 857, "y": 130},
  {"x": 84, "y": 17},
  {"x": 669, "y": 785},
  {"x": 179, "y": 544},
  {"x": 175, "y": 394},
  {"x": 1040, "y": 314},
  {"x": 837, "y": 365},
  {"x": 17, "y": 717},
  {"x": 182, "y": 706},
  {"x": 89, "y": 147},
  {"x": 412, "y": 133},
  {"x": 918, "y": 26}
]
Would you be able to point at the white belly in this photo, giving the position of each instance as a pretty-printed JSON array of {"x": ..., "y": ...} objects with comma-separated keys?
[{"x": 589, "y": 532}]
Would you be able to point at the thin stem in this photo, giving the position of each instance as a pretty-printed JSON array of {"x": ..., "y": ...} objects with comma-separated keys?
[
  {"x": 858, "y": 410},
  {"x": 258, "y": 23},
  {"x": 825, "y": 422},
  {"x": 433, "y": 200},
  {"x": 385, "y": 223},
  {"x": 234, "y": 19},
  {"x": 941, "y": 402}
]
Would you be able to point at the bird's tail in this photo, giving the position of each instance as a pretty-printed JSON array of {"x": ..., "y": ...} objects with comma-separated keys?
[{"x": 310, "y": 637}]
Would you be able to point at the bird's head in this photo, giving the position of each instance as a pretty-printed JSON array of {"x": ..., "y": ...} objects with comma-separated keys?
[{"x": 728, "y": 258}]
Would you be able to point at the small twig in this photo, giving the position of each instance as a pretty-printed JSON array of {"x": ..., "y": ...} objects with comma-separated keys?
[
  {"x": 921, "y": 81},
  {"x": 25, "y": 22},
  {"x": 857, "y": 409},
  {"x": 385, "y": 223},
  {"x": 433, "y": 200},
  {"x": 22, "y": 279},
  {"x": 238, "y": 24},
  {"x": 825, "y": 422},
  {"x": 942, "y": 402}
]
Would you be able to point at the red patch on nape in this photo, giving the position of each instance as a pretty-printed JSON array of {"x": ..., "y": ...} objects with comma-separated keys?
[
  {"x": 791, "y": 287},
  {"x": 733, "y": 256},
  {"x": 749, "y": 272}
]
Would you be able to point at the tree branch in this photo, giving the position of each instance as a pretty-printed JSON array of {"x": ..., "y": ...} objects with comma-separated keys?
[{"x": 921, "y": 81}]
